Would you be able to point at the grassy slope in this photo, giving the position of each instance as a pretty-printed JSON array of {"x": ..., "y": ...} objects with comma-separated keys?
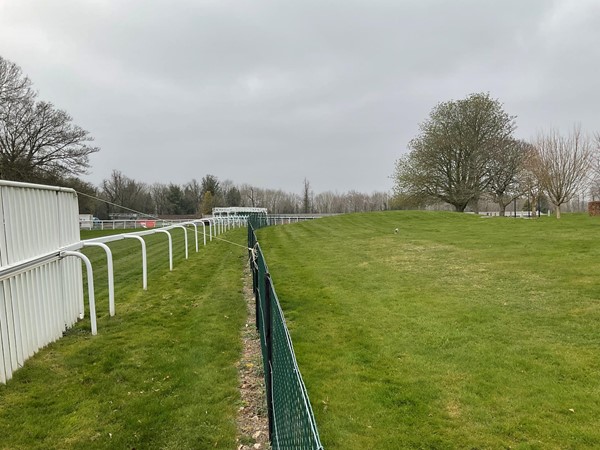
[
  {"x": 458, "y": 332},
  {"x": 160, "y": 374}
]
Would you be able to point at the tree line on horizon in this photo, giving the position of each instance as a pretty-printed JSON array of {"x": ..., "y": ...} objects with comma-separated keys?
[{"x": 120, "y": 194}]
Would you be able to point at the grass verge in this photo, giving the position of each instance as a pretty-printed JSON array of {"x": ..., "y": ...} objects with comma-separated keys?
[
  {"x": 457, "y": 332},
  {"x": 160, "y": 374}
]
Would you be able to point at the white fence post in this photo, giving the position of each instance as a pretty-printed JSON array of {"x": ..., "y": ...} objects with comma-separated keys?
[
  {"x": 170, "y": 247},
  {"x": 111, "y": 277},
  {"x": 195, "y": 234},
  {"x": 144, "y": 263},
  {"x": 90, "y": 280},
  {"x": 185, "y": 238}
]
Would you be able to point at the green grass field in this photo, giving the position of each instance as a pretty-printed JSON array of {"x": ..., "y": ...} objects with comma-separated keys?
[
  {"x": 159, "y": 374},
  {"x": 457, "y": 332}
]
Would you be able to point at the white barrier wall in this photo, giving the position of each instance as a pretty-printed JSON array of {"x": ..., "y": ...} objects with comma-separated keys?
[{"x": 40, "y": 294}]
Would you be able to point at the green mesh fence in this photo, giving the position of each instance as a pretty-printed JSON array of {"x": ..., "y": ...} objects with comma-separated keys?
[{"x": 291, "y": 422}]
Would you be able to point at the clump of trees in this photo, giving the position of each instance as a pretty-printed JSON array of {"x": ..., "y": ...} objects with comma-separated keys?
[
  {"x": 466, "y": 150},
  {"x": 38, "y": 142}
]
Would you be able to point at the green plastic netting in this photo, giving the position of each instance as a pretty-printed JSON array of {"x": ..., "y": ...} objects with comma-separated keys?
[{"x": 291, "y": 420}]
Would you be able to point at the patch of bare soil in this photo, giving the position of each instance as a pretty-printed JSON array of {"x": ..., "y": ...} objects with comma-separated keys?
[{"x": 252, "y": 417}]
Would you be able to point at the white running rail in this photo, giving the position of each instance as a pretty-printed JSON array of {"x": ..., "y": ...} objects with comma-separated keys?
[{"x": 41, "y": 287}]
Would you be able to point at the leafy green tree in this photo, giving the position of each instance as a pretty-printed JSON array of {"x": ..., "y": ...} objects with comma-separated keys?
[
  {"x": 233, "y": 197},
  {"x": 176, "y": 200},
  {"x": 87, "y": 195},
  {"x": 207, "y": 203},
  {"x": 449, "y": 159},
  {"x": 210, "y": 183}
]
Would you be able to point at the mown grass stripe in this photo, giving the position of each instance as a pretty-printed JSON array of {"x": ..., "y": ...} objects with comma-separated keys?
[{"x": 457, "y": 332}]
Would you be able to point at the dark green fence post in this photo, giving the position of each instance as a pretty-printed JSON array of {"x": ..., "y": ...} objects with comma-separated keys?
[
  {"x": 256, "y": 293},
  {"x": 254, "y": 269},
  {"x": 268, "y": 331}
]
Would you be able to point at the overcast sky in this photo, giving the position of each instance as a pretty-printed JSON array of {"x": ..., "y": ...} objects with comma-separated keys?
[{"x": 271, "y": 92}]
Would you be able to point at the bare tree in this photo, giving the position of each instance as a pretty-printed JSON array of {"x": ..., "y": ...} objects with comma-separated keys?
[
  {"x": 248, "y": 195},
  {"x": 272, "y": 200},
  {"x": 324, "y": 202},
  {"x": 595, "y": 177},
  {"x": 357, "y": 201},
  {"x": 37, "y": 141},
  {"x": 14, "y": 86},
  {"x": 159, "y": 194},
  {"x": 126, "y": 192},
  {"x": 529, "y": 182},
  {"x": 562, "y": 164},
  {"x": 506, "y": 171},
  {"x": 307, "y": 195},
  {"x": 230, "y": 193},
  {"x": 192, "y": 191}
]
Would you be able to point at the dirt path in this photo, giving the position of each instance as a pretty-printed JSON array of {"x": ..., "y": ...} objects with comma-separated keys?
[{"x": 253, "y": 427}]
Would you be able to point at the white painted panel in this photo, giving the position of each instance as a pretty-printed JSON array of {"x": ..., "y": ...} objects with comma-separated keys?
[
  {"x": 41, "y": 300},
  {"x": 5, "y": 372}
]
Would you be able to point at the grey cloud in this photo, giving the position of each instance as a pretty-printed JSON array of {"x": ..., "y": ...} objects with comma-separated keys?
[{"x": 270, "y": 92}]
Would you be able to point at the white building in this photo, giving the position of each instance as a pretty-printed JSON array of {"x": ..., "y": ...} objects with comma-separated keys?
[{"x": 234, "y": 211}]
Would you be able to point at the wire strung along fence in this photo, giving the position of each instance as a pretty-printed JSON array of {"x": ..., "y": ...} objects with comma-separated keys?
[{"x": 291, "y": 421}]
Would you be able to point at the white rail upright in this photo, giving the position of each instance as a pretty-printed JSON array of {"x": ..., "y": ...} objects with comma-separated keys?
[
  {"x": 111, "y": 276},
  {"x": 185, "y": 238},
  {"x": 195, "y": 234},
  {"x": 90, "y": 279},
  {"x": 204, "y": 232},
  {"x": 170, "y": 247},
  {"x": 41, "y": 294},
  {"x": 144, "y": 259}
]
